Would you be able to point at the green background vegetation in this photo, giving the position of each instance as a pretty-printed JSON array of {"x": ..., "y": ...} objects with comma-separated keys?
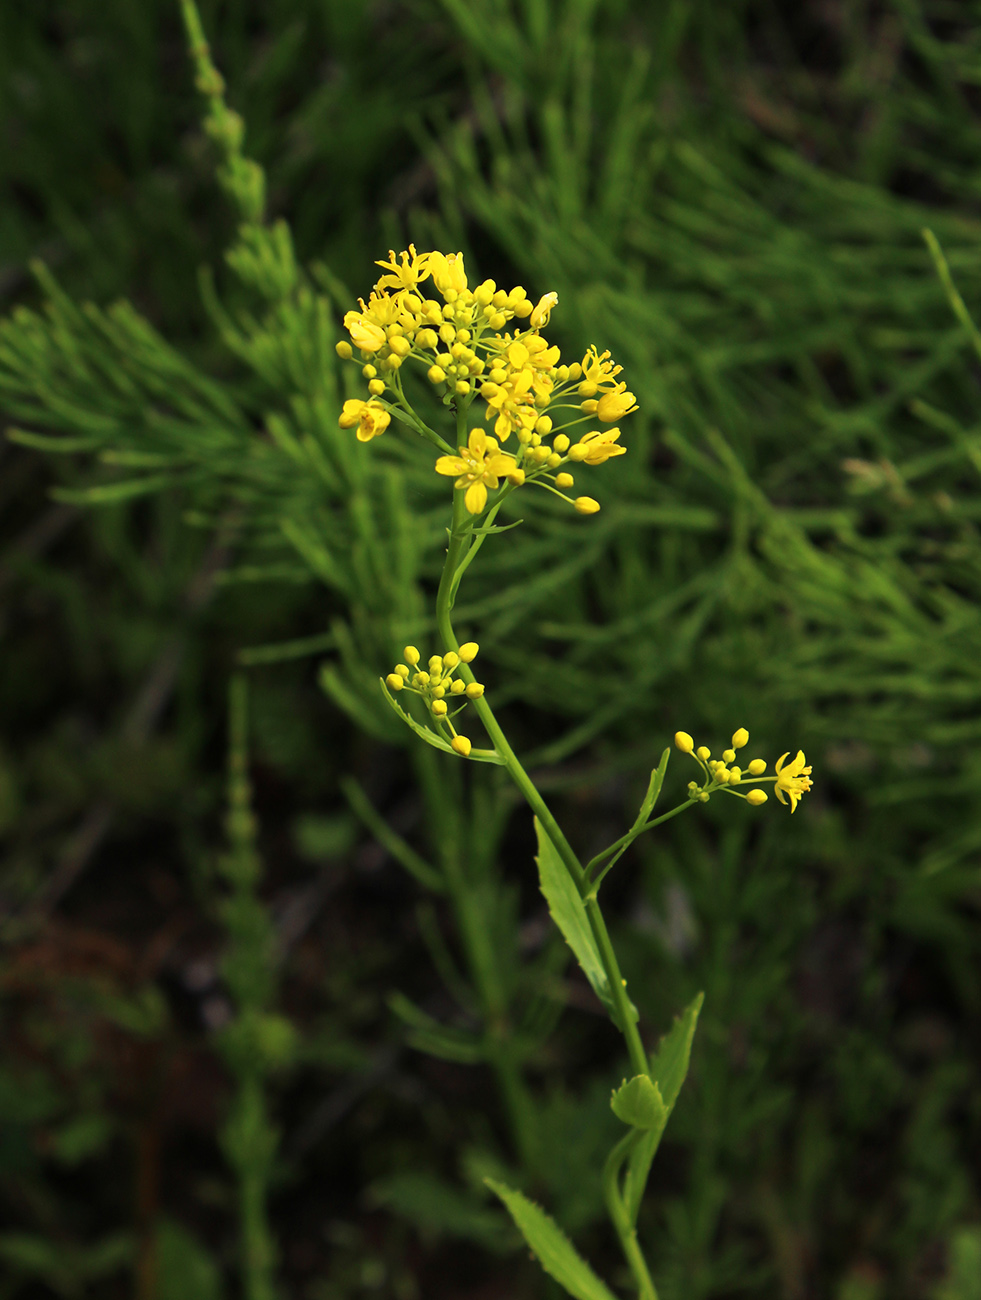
[{"x": 304, "y": 1024}]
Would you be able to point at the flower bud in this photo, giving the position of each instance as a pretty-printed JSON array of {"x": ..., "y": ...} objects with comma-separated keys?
[
  {"x": 461, "y": 745},
  {"x": 560, "y": 442},
  {"x": 757, "y": 767},
  {"x": 586, "y": 505},
  {"x": 684, "y": 742},
  {"x": 468, "y": 651},
  {"x": 412, "y": 655},
  {"x": 564, "y": 480},
  {"x": 436, "y": 374},
  {"x": 344, "y": 350},
  {"x": 474, "y": 691},
  {"x": 613, "y": 406},
  {"x": 439, "y": 708},
  {"x": 756, "y": 797},
  {"x": 729, "y": 755},
  {"x": 704, "y": 753},
  {"x": 394, "y": 682},
  {"x": 740, "y": 738}
]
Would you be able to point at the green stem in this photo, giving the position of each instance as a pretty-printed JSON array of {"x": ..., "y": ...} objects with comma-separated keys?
[
  {"x": 621, "y": 1220},
  {"x": 624, "y": 842},
  {"x": 625, "y": 1017}
]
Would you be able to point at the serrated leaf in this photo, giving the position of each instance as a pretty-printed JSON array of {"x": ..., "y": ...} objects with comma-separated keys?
[
  {"x": 552, "y": 1248},
  {"x": 669, "y": 1066},
  {"x": 568, "y": 911},
  {"x": 638, "y": 1102}
]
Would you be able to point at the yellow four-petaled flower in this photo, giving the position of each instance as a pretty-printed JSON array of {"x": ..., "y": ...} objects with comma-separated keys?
[
  {"x": 370, "y": 418},
  {"x": 480, "y": 465},
  {"x": 792, "y": 780}
]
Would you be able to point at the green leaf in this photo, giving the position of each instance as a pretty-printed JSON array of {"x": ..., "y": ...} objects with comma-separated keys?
[
  {"x": 107, "y": 494},
  {"x": 668, "y": 1069},
  {"x": 494, "y": 528},
  {"x": 638, "y": 1102},
  {"x": 569, "y": 913},
  {"x": 437, "y": 1207},
  {"x": 57, "y": 444},
  {"x": 437, "y": 742},
  {"x": 653, "y": 789},
  {"x": 186, "y": 1270},
  {"x": 428, "y": 1035},
  {"x": 553, "y": 1249},
  {"x": 669, "y": 1065}
]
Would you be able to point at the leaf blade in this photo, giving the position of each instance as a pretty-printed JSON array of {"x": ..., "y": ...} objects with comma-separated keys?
[
  {"x": 569, "y": 913},
  {"x": 669, "y": 1067},
  {"x": 552, "y": 1248}
]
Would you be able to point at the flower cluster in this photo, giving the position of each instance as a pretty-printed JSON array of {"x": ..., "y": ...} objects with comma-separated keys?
[
  {"x": 791, "y": 779},
  {"x": 438, "y": 688},
  {"x": 461, "y": 340}
]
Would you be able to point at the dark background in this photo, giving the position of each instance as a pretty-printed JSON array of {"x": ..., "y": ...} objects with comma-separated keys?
[{"x": 731, "y": 198}]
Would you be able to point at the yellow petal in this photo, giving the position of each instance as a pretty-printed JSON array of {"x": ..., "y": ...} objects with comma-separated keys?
[
  {"x": 450, "y": 465},
  {"x": 500, "y": 464},
  {"x": 477, "y": 443},
  {"x": 476, "y": 498},
  {"x": 351, "y": 413}
]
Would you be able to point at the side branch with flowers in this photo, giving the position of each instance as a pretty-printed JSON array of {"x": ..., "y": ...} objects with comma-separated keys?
[{"x": 486, "y": 344}]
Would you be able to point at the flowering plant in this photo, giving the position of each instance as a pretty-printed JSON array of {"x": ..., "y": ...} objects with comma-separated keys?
[{"x": 486, "y": 345}]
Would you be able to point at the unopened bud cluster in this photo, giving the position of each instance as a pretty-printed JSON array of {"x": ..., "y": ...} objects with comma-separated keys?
[
  {"x": 444, "y": 694},
  {"x": 723, "y": 773}
]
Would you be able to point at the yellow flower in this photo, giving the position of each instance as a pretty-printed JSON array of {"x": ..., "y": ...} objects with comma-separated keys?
[
  {"x": 448, "y": 271},
  {"x": 596, "y": 447},
  {"x": 599, "y": 371},
  {"x": 793, "y": 780},
  {"x": 615, "y": 404},
  {"x": 479, "y": 465},
  {"x": 409, "y": 273},
  {"x": 365, "y": 334},
  {"x": 370, "y": 418},
  {"x": 541, "y": 313},
  {"x": 513, "y": 401}
]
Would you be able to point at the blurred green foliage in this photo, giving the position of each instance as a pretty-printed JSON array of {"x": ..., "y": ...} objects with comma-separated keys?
[{"x": 731, "y": 198}]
